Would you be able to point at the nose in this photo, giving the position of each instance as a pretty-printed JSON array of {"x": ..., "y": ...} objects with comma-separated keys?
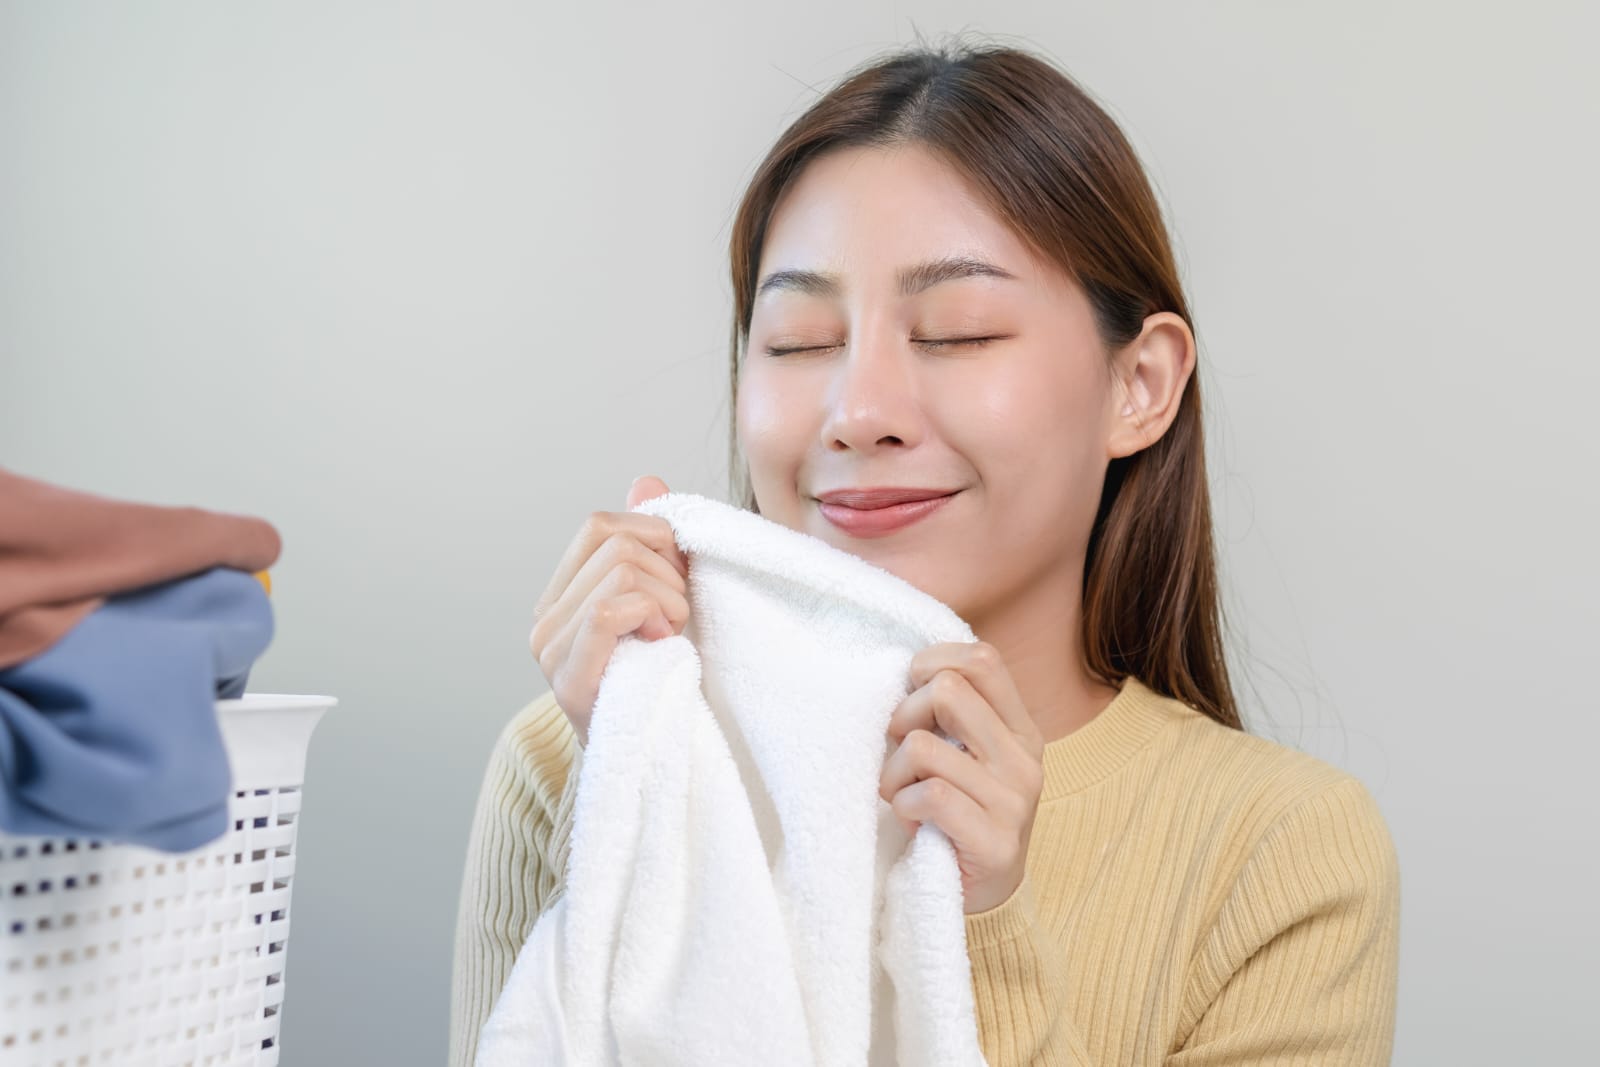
[{"x": 872, "y": 400}]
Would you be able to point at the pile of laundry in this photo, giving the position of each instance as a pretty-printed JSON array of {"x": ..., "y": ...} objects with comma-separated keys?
[{"x": 121, "y": 625}]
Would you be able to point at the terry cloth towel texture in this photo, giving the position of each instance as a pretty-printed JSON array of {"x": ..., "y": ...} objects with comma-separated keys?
[
  {"x": 737, "y": 891},
  {"x": 62, "y": 552}
]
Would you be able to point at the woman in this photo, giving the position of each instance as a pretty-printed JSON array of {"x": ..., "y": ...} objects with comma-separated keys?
[{"x": 952, "y": 282}]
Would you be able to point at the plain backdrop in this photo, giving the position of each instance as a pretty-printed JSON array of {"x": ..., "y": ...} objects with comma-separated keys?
[{"x": 426, "y": 284}]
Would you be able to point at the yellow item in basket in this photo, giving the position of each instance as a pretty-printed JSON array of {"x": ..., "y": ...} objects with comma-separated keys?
[{"x": 266, "y": 581}]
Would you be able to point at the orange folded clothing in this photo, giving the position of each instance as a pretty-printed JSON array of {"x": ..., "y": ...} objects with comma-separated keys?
[{"x": 62, "y": 552}]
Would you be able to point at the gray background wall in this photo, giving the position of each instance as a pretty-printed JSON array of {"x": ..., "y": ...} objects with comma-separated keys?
[{"x": 425, "y": 284}]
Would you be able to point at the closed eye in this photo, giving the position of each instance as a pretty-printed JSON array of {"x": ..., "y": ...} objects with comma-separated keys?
[
  {"x": 975, "y": 342},
  {"x": 943, "y": 342}
]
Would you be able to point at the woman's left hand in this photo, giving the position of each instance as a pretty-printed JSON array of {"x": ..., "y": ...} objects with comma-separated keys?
[{"x": 985, "y": 798}]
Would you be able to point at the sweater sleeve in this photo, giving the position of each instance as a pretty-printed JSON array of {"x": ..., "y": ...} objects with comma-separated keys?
[
  {"x": 516, "y": 861},
  {"x": 1019, "y": 987},
  {"x": 1301, "y": 965}
]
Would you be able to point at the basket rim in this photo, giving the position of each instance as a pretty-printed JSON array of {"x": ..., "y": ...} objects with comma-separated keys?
[{"x": 253, "y": 701}]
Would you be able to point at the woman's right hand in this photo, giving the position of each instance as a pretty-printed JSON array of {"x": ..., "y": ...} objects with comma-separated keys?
[{"x": 623, "y": 572}]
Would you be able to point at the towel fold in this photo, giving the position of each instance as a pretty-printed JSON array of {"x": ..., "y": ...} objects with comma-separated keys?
[
  {"x": 62, "y": 552},
  {"x": 737, "y": 892}
]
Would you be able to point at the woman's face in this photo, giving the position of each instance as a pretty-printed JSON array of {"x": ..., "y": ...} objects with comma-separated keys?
[{"x": 1017, "y": 426}]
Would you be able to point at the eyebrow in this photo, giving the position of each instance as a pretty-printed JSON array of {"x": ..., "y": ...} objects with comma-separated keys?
[{"x": 913, "y": 279}]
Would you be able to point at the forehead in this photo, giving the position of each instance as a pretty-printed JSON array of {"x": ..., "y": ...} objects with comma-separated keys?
[{"x": 865, "y": 212}]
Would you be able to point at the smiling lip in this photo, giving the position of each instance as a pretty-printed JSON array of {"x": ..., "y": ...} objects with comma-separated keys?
[
  {"x": 873, "y": 512},
  {"x": 879, "y": 496}
]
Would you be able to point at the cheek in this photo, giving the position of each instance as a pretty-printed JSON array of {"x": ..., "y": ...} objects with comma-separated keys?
[
  {"x": 766, "y": 426},
  {"x": 1035, "y": 433},
  {"x": 1028, "y": 415}
]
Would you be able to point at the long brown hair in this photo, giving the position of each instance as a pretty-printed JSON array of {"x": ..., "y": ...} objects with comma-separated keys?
[{"x": 1058, "y": 169}]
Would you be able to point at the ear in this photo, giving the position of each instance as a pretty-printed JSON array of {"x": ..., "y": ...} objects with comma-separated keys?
[{"x": 1148, "y": 378}]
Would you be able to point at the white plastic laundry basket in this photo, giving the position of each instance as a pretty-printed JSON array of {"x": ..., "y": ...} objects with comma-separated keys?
[{"x": 116, "y": 954}]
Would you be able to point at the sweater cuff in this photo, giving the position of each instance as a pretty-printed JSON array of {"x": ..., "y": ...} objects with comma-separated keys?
[{"x": 1012, "y": 918}]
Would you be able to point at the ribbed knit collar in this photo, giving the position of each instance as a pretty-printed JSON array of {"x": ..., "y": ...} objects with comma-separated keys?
[{"x": 1109, "y": 740}]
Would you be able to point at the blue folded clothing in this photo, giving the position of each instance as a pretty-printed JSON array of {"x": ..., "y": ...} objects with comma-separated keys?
[{"x": 111, "y": 733}]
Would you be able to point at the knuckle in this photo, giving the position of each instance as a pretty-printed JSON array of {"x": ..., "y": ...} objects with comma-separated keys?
[
  {"x": 636, "y": 551},
  {"x": 946, "y": 684},
  {"x": 596, "y": 526},
  {"x": 626, "y": 576},
  {"x": 986, "y": 656}
]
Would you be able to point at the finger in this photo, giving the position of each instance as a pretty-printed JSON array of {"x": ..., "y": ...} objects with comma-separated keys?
[
  {"x": 648, "y": 487},
  {"x": 588, "y": 646},
  {"x": 616, "y": 552},
  {"x": 923, "y": 755},
  {"x": 645, "y": 487},
  {"x": 935, "y": 800},
  {"x": 617, "y": 608},
  {"x": 949, "y": 702},
  {"x": 666, "y": 600},
  {"x": 668, "y": 596},
  {"x": 982, "y": 666},
  {"x": 651, "y": 531}
]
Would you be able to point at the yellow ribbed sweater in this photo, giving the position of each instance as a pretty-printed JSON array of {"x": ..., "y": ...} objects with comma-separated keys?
[{"x": 1195, "y": 896}]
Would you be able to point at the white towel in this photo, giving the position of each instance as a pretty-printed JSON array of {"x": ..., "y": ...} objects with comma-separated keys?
[{"x": 737, "y": 892}]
